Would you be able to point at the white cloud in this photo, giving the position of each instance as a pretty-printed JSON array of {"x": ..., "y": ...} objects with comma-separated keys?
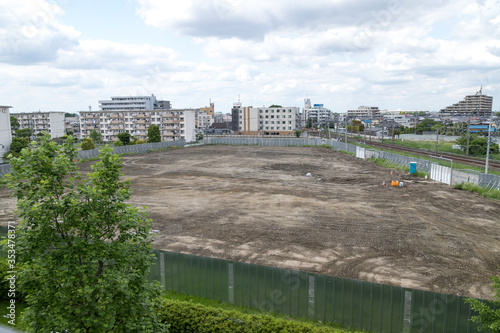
[{"x": 30, "y": 32}]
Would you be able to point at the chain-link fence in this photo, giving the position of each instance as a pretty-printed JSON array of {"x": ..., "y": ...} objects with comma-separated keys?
[
  {"x": 425, "y": 165},
  {"x": 141, "y": 148}
]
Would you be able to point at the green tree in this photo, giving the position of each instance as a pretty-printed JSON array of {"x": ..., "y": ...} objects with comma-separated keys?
[
  {"x": 95, "y": 136},
  {"x": 425, "y": 125},
  {"x": 154, "y": 134},
  {"x": 275, "y": 106},
  {"x": 357, "y": 126},
  {"x": 16, "y": 146},
  {"x": 309, "y": 123},
  {"x": 85, "y": 252},
  {"x": 199, "y": 136},
  {"x": 298, "y": 133},
  {"x": 477, "y": 144},
  {"x": 124, "y": 137},
  {"x": 118, "y": 143},
  {"x": 23, "y": 133},
  {"x": 488, "y": 317},
  {"x": 87, "y": 144},
  {"x": 14, "y": 124}
]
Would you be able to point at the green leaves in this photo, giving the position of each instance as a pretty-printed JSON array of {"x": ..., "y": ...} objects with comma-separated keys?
[{"x": 86, "y": 252}]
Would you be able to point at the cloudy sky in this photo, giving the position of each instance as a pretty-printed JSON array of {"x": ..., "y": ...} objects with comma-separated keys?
[{"x": 65, "y": 55}]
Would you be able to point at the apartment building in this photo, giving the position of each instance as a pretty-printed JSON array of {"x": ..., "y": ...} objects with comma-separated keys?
[
  {"x": 318, "y": 113},
  {"x": 174, "y": 124},
  {"x": 364, "y": 112},
  {"x": 267, "y": 121},
  {"x": 478, "y": 105},
  {"x": 51, "y": 122},
  {"x": 205, "y": 120},
  {"x": 5, "y": 131},
  {"x": 133, "y": 103}
]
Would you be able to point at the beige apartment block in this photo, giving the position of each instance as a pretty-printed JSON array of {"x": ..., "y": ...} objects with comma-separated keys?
[
  {"x": 268, "y": 121},
  {"x": 174, "y": 124},
  {"x": 51, "y": 122}
]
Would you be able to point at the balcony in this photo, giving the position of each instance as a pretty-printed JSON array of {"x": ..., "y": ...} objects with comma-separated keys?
[
  {"x": 116, "y": 122},
  {"x": 116, "y": 115},
  {"x": 142, "y": 115},
  {"x": 142, "y": 122},
  {"x": 90, "y": 116},
  {"x": 140, "y": 127},
  {"x": 116, "y": 127}
]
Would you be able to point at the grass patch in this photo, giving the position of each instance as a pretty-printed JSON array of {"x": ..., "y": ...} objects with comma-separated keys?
[
  {"x": 387, "y": 164},
  {"x": 488, "y": 193}
]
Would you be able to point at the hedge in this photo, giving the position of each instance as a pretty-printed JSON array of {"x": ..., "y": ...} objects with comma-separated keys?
[{"x": 188, "y": 317}]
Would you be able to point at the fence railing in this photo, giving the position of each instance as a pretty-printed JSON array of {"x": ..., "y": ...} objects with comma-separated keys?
[
  {"x": 486, "y": 180},
  {"x": 93, "y": 153},
  {"x": 358, "y": 304}
]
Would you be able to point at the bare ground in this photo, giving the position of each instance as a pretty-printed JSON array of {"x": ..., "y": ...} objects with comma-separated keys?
[{"x": 255, "y": 204}]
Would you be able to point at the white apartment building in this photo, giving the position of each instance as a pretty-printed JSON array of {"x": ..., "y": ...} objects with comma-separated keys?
[
  {"x": 402, "y": 119},
  {"x": 5, "y": 131},
  {"x": 51, "y": 122},
  {"x": 268, "y": 121},
  {"x": 131, "y": 103},
  {"x": 364, "y": 112},
  {"x": 174, "y": 124}
]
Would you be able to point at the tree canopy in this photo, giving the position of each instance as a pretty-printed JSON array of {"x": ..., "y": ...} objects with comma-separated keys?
[
  {"x": 14, "y": 124},
  {"x": 85, "y": 252},
  {"x": 124, "y": 137},
  {"x": 154, "y": 133},
  {"x": 95, "y": 136}
]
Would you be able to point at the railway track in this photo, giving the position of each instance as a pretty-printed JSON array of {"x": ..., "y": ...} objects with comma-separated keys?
[{"x": 456, "y": 158}]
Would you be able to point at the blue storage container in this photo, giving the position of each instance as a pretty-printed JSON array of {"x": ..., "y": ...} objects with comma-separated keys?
[{"x": 413, "y": 168}]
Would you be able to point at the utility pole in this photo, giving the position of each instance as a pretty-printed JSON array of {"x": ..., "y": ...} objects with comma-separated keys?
[
  {"x": 437, "y": 140},
  {"x": 382, "y": 141},
  {"x": 468, "y": 136},
  {"x": 488, "y": 148}
]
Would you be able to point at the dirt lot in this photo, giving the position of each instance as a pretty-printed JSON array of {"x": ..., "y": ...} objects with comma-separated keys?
[{"x": 255, "y": 204}]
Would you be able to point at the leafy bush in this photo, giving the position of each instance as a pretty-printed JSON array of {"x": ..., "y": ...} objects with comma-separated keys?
[
  {"x": 124, "y": 138},
  {"x": 140, "y": 142},
  {"x": 5, "y": 284},
  {"x": 118, "y": 143},
  {"x": 189, "y": 317},
  {"x": 87, "y": 144}
]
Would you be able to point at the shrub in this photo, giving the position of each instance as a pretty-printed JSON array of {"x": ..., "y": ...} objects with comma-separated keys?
[
  {"x": 124, "y": 138},
  {"x": 140, "y": 142},
  {"x": 87, "y": 144},
  {"x": 118, "y": 143},
  {"x": 189, "y": 317}
]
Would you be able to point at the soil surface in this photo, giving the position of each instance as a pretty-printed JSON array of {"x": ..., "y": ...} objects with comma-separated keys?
[{"x": 258, "y": 205}]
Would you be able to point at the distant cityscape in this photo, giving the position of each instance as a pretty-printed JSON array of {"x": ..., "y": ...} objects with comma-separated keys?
[{"x": 134, "y": 115}]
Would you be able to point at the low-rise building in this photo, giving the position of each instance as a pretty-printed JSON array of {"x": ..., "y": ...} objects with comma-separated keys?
[
  {"x": 364, "y": 112},
  {"x": 205, "y": 120},
  {"x": 5, "y": 131},
  {"x": 51, "y": 122}
]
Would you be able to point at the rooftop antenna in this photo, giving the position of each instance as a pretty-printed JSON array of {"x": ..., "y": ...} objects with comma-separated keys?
[{"x": 90, "y": 107}]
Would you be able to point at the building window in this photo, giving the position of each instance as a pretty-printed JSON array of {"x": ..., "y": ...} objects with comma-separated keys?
[
  {"x": 240, "y": 128},
  {"x": 278, "y": 128},
  {"x": 272, "y": 122}
]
